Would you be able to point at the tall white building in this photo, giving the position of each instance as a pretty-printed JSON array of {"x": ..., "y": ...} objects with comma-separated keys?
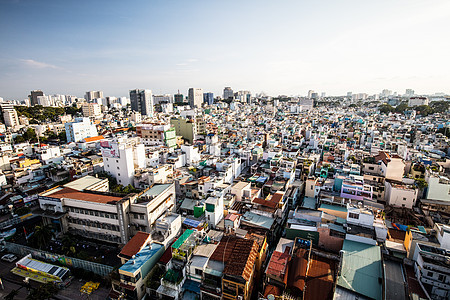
[
  {"x": 44, "y": 101},
  {"x": 195, "y": 97},
  {"x": 91, "y": 110},
  {"x": 79, "y": 129},
  {"x": 142, "y": 101},
  {"x": 10, "y": 115},
  {"x": 120, "y": 156}
]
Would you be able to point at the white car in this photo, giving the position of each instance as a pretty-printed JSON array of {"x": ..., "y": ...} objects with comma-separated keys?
[{"x": 9, "y": 257}]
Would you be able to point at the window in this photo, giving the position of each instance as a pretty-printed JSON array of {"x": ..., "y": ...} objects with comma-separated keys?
[
  {"x": 353, "y": 215},
  {"x": 371, "y": 168},
  {"x": 430, "y": 274},
  {"x": 118, "y": 168},
  {"x": 441, "y": 278},
  {"x": 404, "y": 199},
  {"x": 138, "y": 276},
  {"x": 198, "y": 272}
]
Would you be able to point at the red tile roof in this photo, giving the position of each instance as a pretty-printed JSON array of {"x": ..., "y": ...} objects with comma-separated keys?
[
  {"x": 278, "y": 264},
  {"x": 77, "y": 195},
  {"x": 231, "y": 217},
  {"x": 238, "y": 254},
  {"x": 137, "y": 242}
]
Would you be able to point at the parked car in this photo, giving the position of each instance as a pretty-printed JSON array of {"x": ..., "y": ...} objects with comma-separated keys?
[{"x": 9, "y": 257}]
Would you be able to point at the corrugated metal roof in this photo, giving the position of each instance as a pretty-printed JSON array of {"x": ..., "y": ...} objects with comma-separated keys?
[
  {"x": 361, "y": 269},
  {"x": 187, "y": 233}
]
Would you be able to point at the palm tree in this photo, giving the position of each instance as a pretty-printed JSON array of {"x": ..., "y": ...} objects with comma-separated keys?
[
  {"x": 68, "y": 245},
  {"x": 43, "y": 235}
]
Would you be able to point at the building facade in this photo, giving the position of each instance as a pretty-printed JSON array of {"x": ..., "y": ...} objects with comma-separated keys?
[
  {"x": 80, "y": 129},
  {"x": 195, "y": 97},
  {"x": 142, "y": 101}
]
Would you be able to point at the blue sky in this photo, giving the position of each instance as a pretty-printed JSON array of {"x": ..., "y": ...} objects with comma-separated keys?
[{"x": 279, "y": 47}]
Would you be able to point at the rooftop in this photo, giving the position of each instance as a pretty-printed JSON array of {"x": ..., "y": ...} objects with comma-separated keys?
[
  {"x": 141, "y": 258},
  {"x": 83, "y": 182},
  {"x": 156, "y": 190},
  {"x": 257, "y": 220},
  {"x": 65, "y": 192},
  {"x": 134, "y": 245},
  {"x": 238, "y": 254},
  {"x": 361, "y": 269}
]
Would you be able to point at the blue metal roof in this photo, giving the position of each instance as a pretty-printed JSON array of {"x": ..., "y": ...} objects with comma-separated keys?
[{"x": 140, "y": 258}]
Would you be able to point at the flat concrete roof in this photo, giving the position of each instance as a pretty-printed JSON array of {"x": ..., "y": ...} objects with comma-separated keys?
[{"x": 83, "y": 182}]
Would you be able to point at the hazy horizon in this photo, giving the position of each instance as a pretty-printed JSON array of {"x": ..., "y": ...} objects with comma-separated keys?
[{"x": 282, "y": 48}]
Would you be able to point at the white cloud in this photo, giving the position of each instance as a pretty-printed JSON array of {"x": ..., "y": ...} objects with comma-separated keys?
[{"x": 37, "y": 64}]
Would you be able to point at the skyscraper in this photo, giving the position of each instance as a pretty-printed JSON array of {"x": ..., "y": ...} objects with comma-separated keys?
[
  {"x": 178, "y": 98},
  {"x": 228, "y": 93},
  {"x": 142, "y": 101},
  {"x": 91, "y": 95},
  {"x": 208, "y": 98},
  {"x": 195, "y": 97},
  {"x": 33, "y": 97}
]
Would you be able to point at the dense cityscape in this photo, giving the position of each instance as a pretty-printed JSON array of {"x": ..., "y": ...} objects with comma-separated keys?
[
  {"x": 238, "y": 150},
  {"x": 232, "y": 196}
]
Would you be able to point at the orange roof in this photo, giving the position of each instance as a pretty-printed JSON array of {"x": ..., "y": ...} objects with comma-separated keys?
[
  {"x": 272, "y": 202},
  {"x": 77, "y": 195},
  {"x": 94, "y": 138},
  {"x": 135, "y": 245},
  {"x": 320, "y": 278},
  {"x": 272, "y": 289},
  {"x": 297, "y": 270},
  {"x": 238, "y": 254}
]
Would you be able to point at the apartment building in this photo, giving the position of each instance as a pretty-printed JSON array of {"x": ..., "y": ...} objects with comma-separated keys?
[
  {"x": 87, "y": 210},
  {"x": 157, "y": 134}
]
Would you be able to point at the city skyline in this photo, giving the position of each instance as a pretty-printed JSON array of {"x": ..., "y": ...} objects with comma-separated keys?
[{"x": 289, "y": 48}]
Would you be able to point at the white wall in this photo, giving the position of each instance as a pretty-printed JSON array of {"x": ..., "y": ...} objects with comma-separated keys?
[{"x": 438, "y": 191}]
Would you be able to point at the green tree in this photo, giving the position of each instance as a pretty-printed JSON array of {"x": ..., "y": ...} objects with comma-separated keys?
[
  {"x": 386, "y": 108},
  {"x": 68, "y": 245},
  {"x": 42, "y": 235},
  {"x": 43, "y": 292},
  {"x": 421, "y": 183},
  {"x": 401, "y": 107},
  {"x": 30, "y": 135},
  {"x": 19, "y": 139},
  {"x": 62, "y": 137},
  {"x": 22, "y": 211},
  {"x": 440, "y": 106}
]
